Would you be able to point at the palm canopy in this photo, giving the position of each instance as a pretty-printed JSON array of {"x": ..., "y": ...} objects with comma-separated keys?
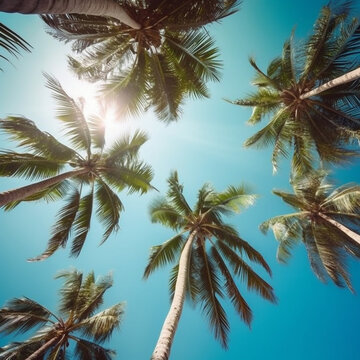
[
  {"x": 325, "y": 220},
  {"x": 97, "y": 171},
  {"x": 11, "y": 43},
  {"x": 217, "y": 253},
  {"x": 322, "y": 125},
  {"x": 169, "y": 58},
  {"x": 78, "y": 322}
]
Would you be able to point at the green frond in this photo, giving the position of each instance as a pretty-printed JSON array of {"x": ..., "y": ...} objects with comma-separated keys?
[
  {"x": 209, "y": 289},
  {"x": 61, "y": 229},
  {"x": 126, "y": 148},
  {"x": 345, "y": 198},
  {"x": 261, "y": 79},
  {"x": 232, "y": 290},
  {"x": 21, "y": 350},
  {"x": 28, "y": 166},
  {"x": 26, "y": 134},
  {"x": 101, "y": 326},
  {"x": 163, "y": 254},
  {"x": 70, "y": 290},
  {"x": 91, "y": 294},
  {"x": 71, "y": 115},
  {"x": 85, "y": 349},
  {"x": 21, "y": 315},
  {"x": 291, "y": 199},
  {"x": 233, "y": 199},
  {"x": 135, "y": 176},
  {"x": 166, "y": 90},
  {"x": 175, "y": 195},
  {"x": 240, "y": 268},
  {"x": 161, "y": 211},
  {"x": 82, "y": 223},
  {"x": 108, "y": 209},
  {"x": 12, "y": 43},
  {"x": 97, "y": 131},
  {"x": 230, "y": 236},
  {"x": 196, "y": 50}
]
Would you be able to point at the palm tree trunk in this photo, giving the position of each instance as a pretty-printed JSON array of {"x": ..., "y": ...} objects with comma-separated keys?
[
  {"x": 41, "y": 349},
  {"x": 26, "y": 191},
  {"x": 350, "y": 76},
  {"x": 163, "y": 346},
  {"x": 87, "y": 7},
  {"x": 353, "y": 235}
]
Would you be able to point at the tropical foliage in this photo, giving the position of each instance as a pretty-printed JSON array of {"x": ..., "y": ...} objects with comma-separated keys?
[
  {"x": 217, "y": 253},
  {"x": 169, "y": 58},
  {"x": 80, "y": 298},
  {"x": 324, "y": 124},
  {"x": 11, "y": 42},
  {"x": 326, "y": 220},
  {"x": 95, "y": 177}
]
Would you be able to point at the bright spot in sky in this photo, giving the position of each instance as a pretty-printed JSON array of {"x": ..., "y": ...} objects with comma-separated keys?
[{"x": 115, "y": 125}]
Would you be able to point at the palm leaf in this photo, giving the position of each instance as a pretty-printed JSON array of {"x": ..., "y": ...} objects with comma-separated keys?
[{"x": 71, "y": 115}]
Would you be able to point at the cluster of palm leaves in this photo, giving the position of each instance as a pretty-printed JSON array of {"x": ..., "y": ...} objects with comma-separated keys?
[
  {"x": 166, "y": 57},
  {"x": 80, "y": 298},
  {"x": 95, "y": 172},
  {"x": 319, "y": 126},
  {"x": 211, "y": 255},
  {"x": 169, "y": 58},
  {"x": 318, "y": 119}
]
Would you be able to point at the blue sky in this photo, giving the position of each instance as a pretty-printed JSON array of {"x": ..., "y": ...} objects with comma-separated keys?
[{"x": 311, "y": 320}]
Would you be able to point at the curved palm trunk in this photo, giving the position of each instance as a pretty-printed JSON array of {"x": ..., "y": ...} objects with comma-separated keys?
[
  {"x": 29, "y": 190},
  {"x": 353, "y": 235},
  {"x": 107, "y": 8},
  {"x": 350, "y": 76},
  {"x": 166, "y": 338},
  {"x": 41, "y": 349}
]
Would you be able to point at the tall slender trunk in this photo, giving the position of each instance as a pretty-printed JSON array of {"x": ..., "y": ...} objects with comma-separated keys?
[
  {"x": 352, "y": 234},
  {"x": 88, "y": 7},
  {"x": 350, "y": 76},
  {"x": 29, "y": 190},
  {"x": 41, "y": 349},
  {"x": 166, "y": 338}
]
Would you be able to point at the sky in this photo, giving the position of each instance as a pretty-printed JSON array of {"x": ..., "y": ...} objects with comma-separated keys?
[{"x": 312, "y": 320}]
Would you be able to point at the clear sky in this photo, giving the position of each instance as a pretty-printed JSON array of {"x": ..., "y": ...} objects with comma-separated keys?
[{"x": 312, "y": 320}]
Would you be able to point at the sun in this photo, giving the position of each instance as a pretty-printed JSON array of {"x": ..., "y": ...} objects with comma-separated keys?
[{"x": 87, "y": 96}]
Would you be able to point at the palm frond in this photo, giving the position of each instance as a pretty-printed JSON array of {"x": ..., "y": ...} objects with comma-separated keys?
[
  {"x": 71, "y": 115},
  {"x": 61, "y": 229},
  {"x": 12, "y": 43},
  {"x": 28, "y": 166},
  {"x": 101, "y": 326},
  {"x": 232, "y": 290},
  {"x": 108, "y": 208},
  {"x": 163, "y": 254},
  {"x": 27, "y": 135},
  {"x": 161, "y": 211},
  {"x": 82, "y": 223},
  {"x": 85, "y": 349},
  {"x": 22, "y": 314}
]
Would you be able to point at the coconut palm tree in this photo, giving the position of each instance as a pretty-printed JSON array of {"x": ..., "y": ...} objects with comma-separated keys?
[
  {"x": 325, "y": 121},
  {"x": 94, "y": 7},
  {"x": 98, "y": 171},
  {"x": 11, "y": 42},
  {"x": 169, "y": 58},
  {"x": 208, "y": 253},
  {"x": 326, "y": 220},
  {"x": 80, "y": 298}
]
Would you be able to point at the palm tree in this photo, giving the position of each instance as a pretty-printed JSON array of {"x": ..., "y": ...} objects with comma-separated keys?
[
  {"x": 326, "y": 220},
  {"x": 208, "y": 251},
  {"x": 80, "y": 298},
  {"x": 94, "y": 7},
  {"x": 169, "y": 58},
  {"x": 99, "y": 171},
  {"x": 11, "y": 42},
  {"x": 309, "y": 122}
]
